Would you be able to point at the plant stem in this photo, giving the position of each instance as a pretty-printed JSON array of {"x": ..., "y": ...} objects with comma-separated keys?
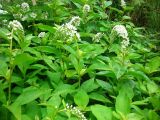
[
  {"x": 78, "y": 58},
  {"x": 11, "y": 69}
]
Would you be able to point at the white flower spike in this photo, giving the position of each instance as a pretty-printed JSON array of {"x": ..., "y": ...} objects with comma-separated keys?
[
  {"x": 75, "y": 111},
  {"x": 25, "y": 6},
  {"x": 86, "y": 8},
  {"x": 15, "y": 25}
]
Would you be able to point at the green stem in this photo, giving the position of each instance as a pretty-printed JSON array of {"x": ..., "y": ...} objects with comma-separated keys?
[
  {"x": 11, "y": 69},
  {"x": 78, "y": 58}
]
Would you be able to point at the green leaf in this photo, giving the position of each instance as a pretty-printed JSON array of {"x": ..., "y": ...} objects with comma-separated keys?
[
  {"x": 15, "y": 110},
  {"x": 3, "y": 33},
  {"x": 138, "y": 75},
  {"x": 32, "y": 109},
  {"x": 47, "y": 49},
  {"x": 64, "y": 89},
  {"x": 26, "y": 117},
  {"x": 101, "y": 112},
  {"x": 107, "y": 3},
  {"x": 46, "y": 28},
  {"x": 52, "y": 104},
  {"x": 54, "y": 101},
  {"x": 81, "y": 98},
  {"x": 152, "y": 115},
  {"x": 118, "y": 69},
  {"x": 49, "y": 62},
  {"x": 89, "y": 85},
  {"x": 75, "y": 63},
  {"x": 29, "y": 94},
  {"x": 99, "y": 65},
  {"x": 122, "y": 102},
  {"x": 26, "y": 42},
  {"x": 153, "y": 65},
  {"x": 2, "y": 94},
  {"x": 152, "y": 87},
  {"x": 155, "y": 101},
  {"x": 69, "y": 49},
  {"x": 134, "y": 116},
  {"x": 141, "y": 102},
  {"x": 3, "y": 68},
  {"x": 54, "y": 77},
  {"x": 105, "y": 85},
  {"x": 23, "y": 61},
  {"x": 98, "y": 97}
]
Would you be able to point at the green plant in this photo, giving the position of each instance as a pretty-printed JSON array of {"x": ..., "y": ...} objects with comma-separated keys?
[{"x": 76, "y": 64}]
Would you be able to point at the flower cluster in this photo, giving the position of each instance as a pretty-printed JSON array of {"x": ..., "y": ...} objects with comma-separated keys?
[
  {"x": 75, "y": 21},
  {"x": 41, "y": 34},
  {"x": 122, "y": 32},
  {"x": 75, "y": 111},
  {"x": 123, "y": 3},
  {"x": 68, "y": 30},
  {"x": 25, "y": 6},
  {"x": 33, "y": 15},
  {"x": 124, "y": 44},
  {"x": 3, "y": 12},
  {"x": 86, "y": 8},
  {"x": 15, "y": 25},
  {"x": 97, "y": 37}
]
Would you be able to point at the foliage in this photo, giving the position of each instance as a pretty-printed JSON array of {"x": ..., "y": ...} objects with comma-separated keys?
[{"x": 55, "y": 66}]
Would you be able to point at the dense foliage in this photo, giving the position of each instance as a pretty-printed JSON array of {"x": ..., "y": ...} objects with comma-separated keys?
[{"x": 76, "y": 60}]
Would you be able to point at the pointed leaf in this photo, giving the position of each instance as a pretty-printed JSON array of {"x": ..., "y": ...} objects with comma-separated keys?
[{"x": 101, "y": 112}]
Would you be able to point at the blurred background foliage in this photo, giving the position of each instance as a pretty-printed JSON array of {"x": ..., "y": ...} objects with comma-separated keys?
[{"x": 144, "y": 12}]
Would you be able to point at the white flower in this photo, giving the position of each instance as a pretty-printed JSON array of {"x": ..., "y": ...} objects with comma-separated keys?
[
  {"x": 33, "y": 15},
  {"x": 75, "y": 111},
  {"x": 24, "y": 18},
  {"x": 41, "y": 34},
  {"x": 77, "y": 36},
  {"x": 25, "y": 6},
  {"x": 4, "y": 21},
  {"x": 3, "y": 12},
  {"x": 86, "y": 8},
  {"x": 123, "y": 3},
  {"x": 75, "y": 21},
  {"x": 124, "y": 44},
  {"x": 68, "y": 31},
  {"x": 97, "y": 37},
  {"x": 15, "y": 25},
  {"x": 121, "y": 31},
  {"x": 45, "y": 15}
]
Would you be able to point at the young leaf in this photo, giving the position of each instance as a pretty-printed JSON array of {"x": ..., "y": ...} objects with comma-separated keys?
[
  {"x": 81, "y": 98},
  {"x": 15, "y": 110},
  {"x": 153, "y": 65},
  {"x": 46, "y": 28},
  {"x": 89, "y": 85},
  {"x": 101, "y": 112},
  {"x": 122, "y": 102},
  {"x": 29, "y": 94},
  {"x": 3, "y": 68},
  {"x": 98, "y": 97},
  {"x": 23, "y": 61},
  {"x": 152, "y": 87},
  {"x": 2, "y": 93}
]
